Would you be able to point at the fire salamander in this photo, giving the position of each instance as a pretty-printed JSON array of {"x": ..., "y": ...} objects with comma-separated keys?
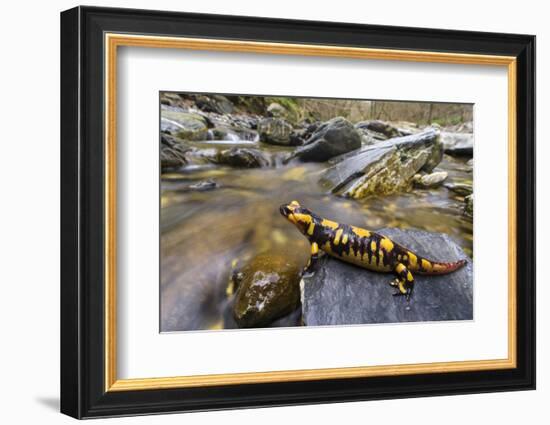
[{"x": 363, "y": 248}]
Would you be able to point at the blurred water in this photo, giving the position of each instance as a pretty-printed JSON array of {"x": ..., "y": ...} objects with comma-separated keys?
[{"x": 204, "y": 231}]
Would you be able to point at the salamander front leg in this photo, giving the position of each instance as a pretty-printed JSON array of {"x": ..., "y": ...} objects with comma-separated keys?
[
  {"x": 404, "y": 281},
  {"x": 313, "y": 258}
]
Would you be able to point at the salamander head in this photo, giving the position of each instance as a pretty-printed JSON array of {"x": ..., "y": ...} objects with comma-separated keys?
[{"x": 299, "y": 216}]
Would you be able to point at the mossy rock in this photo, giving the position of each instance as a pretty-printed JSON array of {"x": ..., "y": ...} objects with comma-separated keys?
[
  {"x": 275, "y": 131},
  {"x": 268, "y": 288},
  {"x": 186, "y": 126}
]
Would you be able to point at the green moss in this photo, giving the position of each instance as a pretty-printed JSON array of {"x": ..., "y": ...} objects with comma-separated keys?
[
  {"x": 443, "y": 122},
  {"x": 295, "y": 112}
]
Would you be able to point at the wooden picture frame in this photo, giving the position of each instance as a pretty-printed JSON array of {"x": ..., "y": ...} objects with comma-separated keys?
[{"x": 90, "y": 38}]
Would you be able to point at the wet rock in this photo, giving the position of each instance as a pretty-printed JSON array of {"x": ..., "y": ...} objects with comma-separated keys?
[
  {"x": 383, "y": 168},
  {"x": 172, "y": 152},
  {"x": 432, "y": 180},
  {"x": 268, "y": 289},
  {"x": 462, "y": 189},
  {"x": 369, "y": 137},
  {"x": 249, "y": 122},
  {"x": 340, "y": 294},
  {"x": 242, "y": 157},
  {"x": 377, "y": 127},
  {"x": 469, "y": 205},
  {"x": 214, "y": 103},
  {"x": 275, "y": 131},
  {"x": 332, "y": 138},
  {"x": 290, "y": 320},
  {"x": 196, "y": 156},
  {"x": 170, "y": 99},
  {"x": 203, "y": 186},
  {"x": 276, "y": 110},
  {"x": 458, "y": 144},
  {"x": 435, "y": 156},
  {"x": 301, "y": 135},
  {"x": 176, "y": 182},
  {"x": 184, "y": 125}
]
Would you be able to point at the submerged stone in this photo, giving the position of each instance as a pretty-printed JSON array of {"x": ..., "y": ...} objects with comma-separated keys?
[
  {"x": 242, "y": 157},
  {"x": 462, "y": 189}
]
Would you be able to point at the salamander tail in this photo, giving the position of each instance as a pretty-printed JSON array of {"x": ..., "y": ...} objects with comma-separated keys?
[{"x": 444, "y": 268}]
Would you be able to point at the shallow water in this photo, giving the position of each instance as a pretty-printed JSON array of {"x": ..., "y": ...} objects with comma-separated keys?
[{"x": 204, "y": 232}]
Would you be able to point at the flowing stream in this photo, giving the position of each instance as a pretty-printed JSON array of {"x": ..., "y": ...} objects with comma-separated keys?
[{"x": 213, "y": 217}]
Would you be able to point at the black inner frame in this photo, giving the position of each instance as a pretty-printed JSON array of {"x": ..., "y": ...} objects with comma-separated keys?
[{"x": 82, "y": 211}]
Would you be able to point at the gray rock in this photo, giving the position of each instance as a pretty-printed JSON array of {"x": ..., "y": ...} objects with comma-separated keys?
[
  {"x": 431, "y": 180},
  {"x": 275, "y": 131},
  {"x": 462, "y": 189},
  {"x": 214, "y": 103},
  {"x": 276, "y": 110},
  {"x": 170, "y": 99},
  {"x": 458, "y": 144},
  {"x": 242, "y": 157},
  {"x": 179, "y": 184},
  {"x": 383, "y": 168},
  {"x": 334, "y": 137},
  {"x": 203, "y": 186},
  {"x": 184, "y": 125},
  {"x": 172, "y": 152},
  {"x": 341, "y": 294},
  {"x": 385, "y": 129}
]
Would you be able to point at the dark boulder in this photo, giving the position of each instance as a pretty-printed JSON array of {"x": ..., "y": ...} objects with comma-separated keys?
[
  {"x": 330, "y": 139},
  {"x": 242, "y": 157},
  {"x": 341, "y": 294}
]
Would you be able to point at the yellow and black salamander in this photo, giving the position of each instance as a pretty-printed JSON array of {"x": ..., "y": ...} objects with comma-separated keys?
[{"x": 363, "y": 248}]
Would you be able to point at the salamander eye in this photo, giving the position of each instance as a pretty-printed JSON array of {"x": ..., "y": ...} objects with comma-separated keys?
[{"x": 285, "y": 210}]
